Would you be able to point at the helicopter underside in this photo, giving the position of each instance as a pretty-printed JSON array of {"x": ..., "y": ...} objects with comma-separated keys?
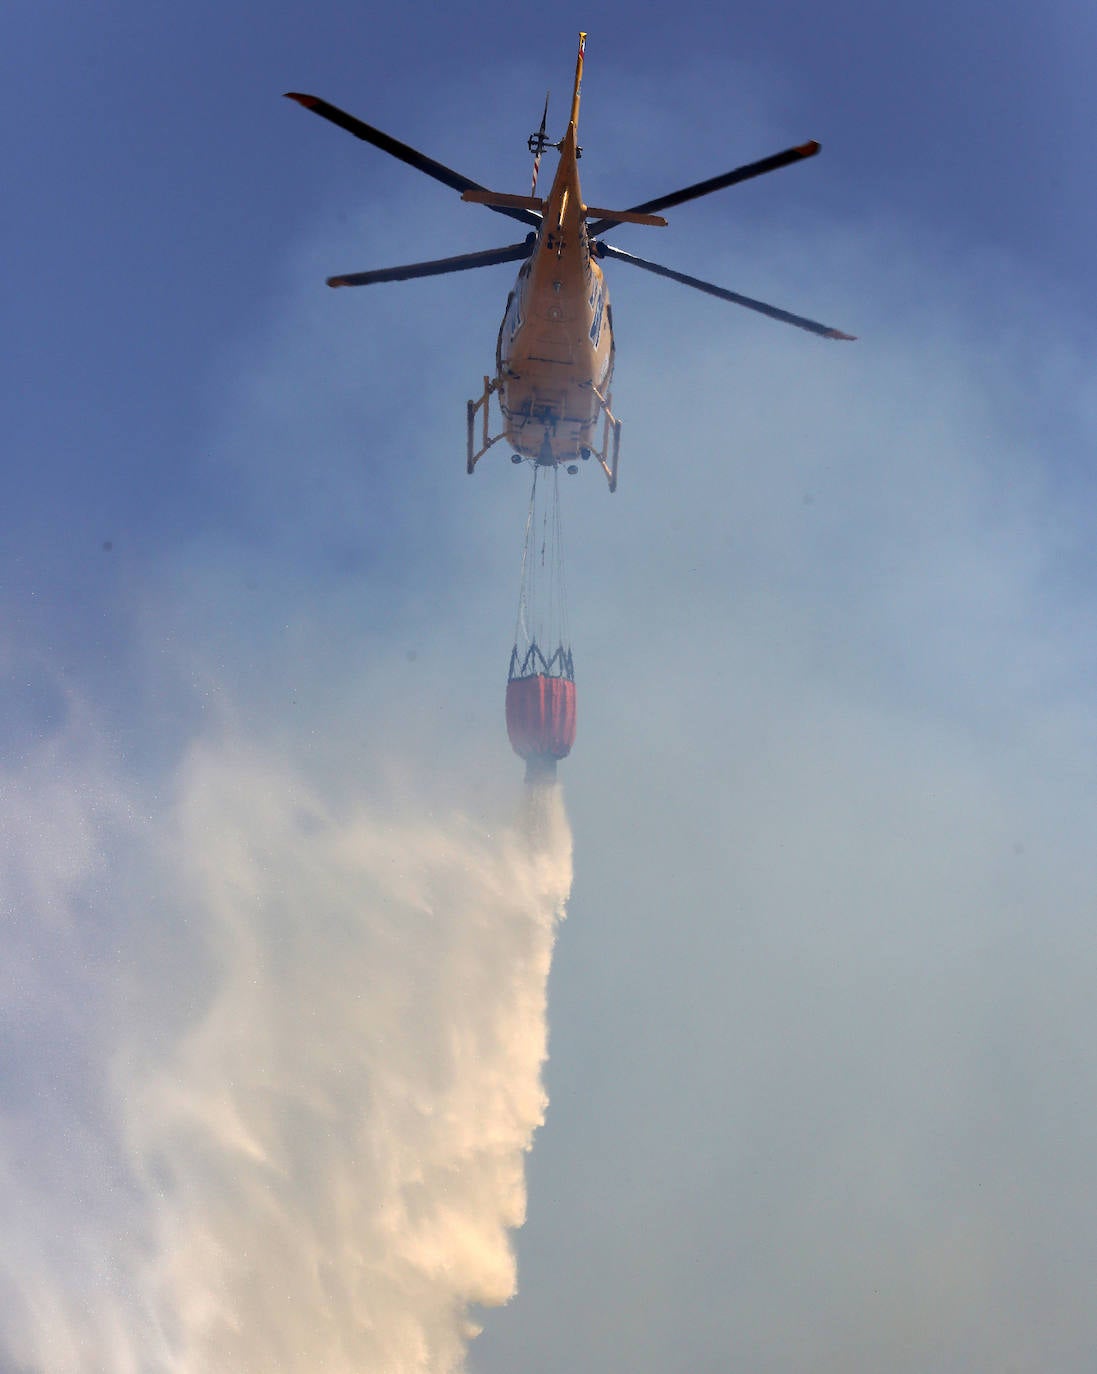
[
  {"x": 554, "y": 358},
  {"x": 547, "y": 423},
  {"x": 553, "y": 411},
  {"x": 550, "y": 409}
]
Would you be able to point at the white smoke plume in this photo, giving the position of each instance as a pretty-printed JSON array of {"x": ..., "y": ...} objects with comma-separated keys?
[{"x": 287, "y": 1130}]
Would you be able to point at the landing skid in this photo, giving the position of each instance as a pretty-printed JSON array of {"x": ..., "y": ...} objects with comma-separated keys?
[{"x": 608, "y": 455}]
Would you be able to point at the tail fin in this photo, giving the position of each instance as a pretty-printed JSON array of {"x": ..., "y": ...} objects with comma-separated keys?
[{"x": 578, "y": 80}]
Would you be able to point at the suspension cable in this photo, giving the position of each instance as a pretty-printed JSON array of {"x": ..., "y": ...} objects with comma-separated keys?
[{"x": 541, "y": 632}]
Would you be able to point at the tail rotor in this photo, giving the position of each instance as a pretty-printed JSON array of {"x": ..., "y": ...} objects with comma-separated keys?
[{"x": 537, "y": 143}]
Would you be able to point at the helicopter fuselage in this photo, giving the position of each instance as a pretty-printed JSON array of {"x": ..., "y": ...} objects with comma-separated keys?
[{"x": 555, "y": 349}]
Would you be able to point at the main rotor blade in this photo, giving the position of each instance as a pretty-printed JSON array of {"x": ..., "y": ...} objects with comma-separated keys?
[
  {"x": 704, "y": 188},
  {"x": 368, "y": 134},
  {"x": 813, "y": 327},
  {"x": 464, "y": 262}
]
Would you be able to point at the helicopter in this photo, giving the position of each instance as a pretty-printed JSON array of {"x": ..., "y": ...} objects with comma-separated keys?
[{"x": 554, "y": 355}]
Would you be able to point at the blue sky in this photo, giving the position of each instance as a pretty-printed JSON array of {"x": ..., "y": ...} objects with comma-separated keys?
[{"x": 822, "y": 1065}]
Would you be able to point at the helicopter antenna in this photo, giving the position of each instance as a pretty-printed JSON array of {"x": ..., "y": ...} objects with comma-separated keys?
[{"x": 537, "y": 143}]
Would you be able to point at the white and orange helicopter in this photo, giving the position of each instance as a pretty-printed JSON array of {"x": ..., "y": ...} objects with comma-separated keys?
[{"x": 555, "y": 352}]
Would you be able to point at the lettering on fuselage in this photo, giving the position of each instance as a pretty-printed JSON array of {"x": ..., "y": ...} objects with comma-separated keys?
[{"x": 597, "y": 302}]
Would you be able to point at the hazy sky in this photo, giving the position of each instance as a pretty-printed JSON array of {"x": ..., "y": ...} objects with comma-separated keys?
[{"x": 822, "y": 1070}]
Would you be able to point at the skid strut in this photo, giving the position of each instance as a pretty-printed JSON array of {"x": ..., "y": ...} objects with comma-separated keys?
[
  {"x": 610, "y": 452},
  {"x": 490, "y": 384}
]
